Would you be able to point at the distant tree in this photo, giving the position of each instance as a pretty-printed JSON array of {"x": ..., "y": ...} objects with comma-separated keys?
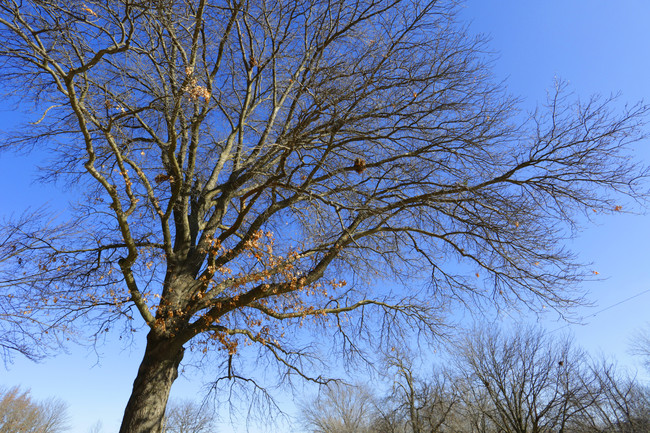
[
  {"x": 415, "y": 404},
  {"x": 340, "y": 408},
  {"x": 640, "y": 345},
  {"x": 96, "y": 428},
  {"x": 474, "y": 412},
  {"x": 186, "y": 416},
  {"x": 19, "y": 413},
  {"x": 520, "y": 382},
  {"x": 235, "y": 162},
  {"x": 525, "y": 381},
  {"x": 622, "y": 404}
]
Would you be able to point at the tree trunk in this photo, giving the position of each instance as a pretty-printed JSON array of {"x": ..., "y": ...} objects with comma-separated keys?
[{"x": 145, "y": 410}]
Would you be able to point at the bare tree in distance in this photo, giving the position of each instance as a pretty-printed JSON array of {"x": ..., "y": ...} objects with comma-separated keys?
[
  {"x": 19, "y": 413},
  {"x": 474, "y": 414},
  {"x": 533, "y": 382},
  {"x": 622, "y": 402},
  {"x": 236, "y": 162},
  {"x": 415, "y": 404},
  {"x": 501, "y": 382},
  {"x": 640, "y": 345},
  {"x": 187, "y": 416},
  {"x": 340, "y": 408},
  {"x": 96, "y": 428}
]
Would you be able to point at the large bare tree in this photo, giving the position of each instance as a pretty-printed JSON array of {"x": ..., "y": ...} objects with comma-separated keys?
[{"x": 235, "y": 162}]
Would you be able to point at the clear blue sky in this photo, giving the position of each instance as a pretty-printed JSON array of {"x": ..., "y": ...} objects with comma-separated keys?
[{"x": 598, "y": 46}]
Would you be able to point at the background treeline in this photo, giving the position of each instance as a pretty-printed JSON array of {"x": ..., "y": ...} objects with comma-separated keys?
[
  {"x": 524, "y": 381},
  {"x": 491, "y": 381},
  {"x": 21, "y": 413}
]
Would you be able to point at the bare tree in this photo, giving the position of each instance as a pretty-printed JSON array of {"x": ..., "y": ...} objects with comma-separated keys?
[
  {"x": 235, "y": 161},
  {"x": 474, "y": 412},
  {"x": 340, "y": 408},
  {"x": 415, "y": 405},
  {"x": 533, "y": 383},
  {"x": 19, "y": 413},
  {"x": 186, "y": 416},
  {"x": 622, "y": 404},
  {"x": 640, "y": 345},
  {"x": 524, "y": 382},
  {"x": 96, "y": 428}
]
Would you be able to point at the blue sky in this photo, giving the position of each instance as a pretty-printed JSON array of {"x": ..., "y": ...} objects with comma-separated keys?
[{"x": 597, "y": 46}]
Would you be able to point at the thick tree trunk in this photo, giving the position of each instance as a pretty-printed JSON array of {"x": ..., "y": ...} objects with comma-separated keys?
[{"x": 159, "y": 368}]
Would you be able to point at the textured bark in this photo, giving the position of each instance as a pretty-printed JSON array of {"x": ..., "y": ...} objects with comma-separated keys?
[{"x": 145, "y": 410}]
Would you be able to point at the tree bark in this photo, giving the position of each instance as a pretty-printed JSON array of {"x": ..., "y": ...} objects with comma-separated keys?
[{"x": 145, "y": 410}]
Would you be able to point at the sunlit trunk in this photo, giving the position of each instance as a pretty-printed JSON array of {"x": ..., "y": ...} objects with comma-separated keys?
[{"x": 145, "y": 410}]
